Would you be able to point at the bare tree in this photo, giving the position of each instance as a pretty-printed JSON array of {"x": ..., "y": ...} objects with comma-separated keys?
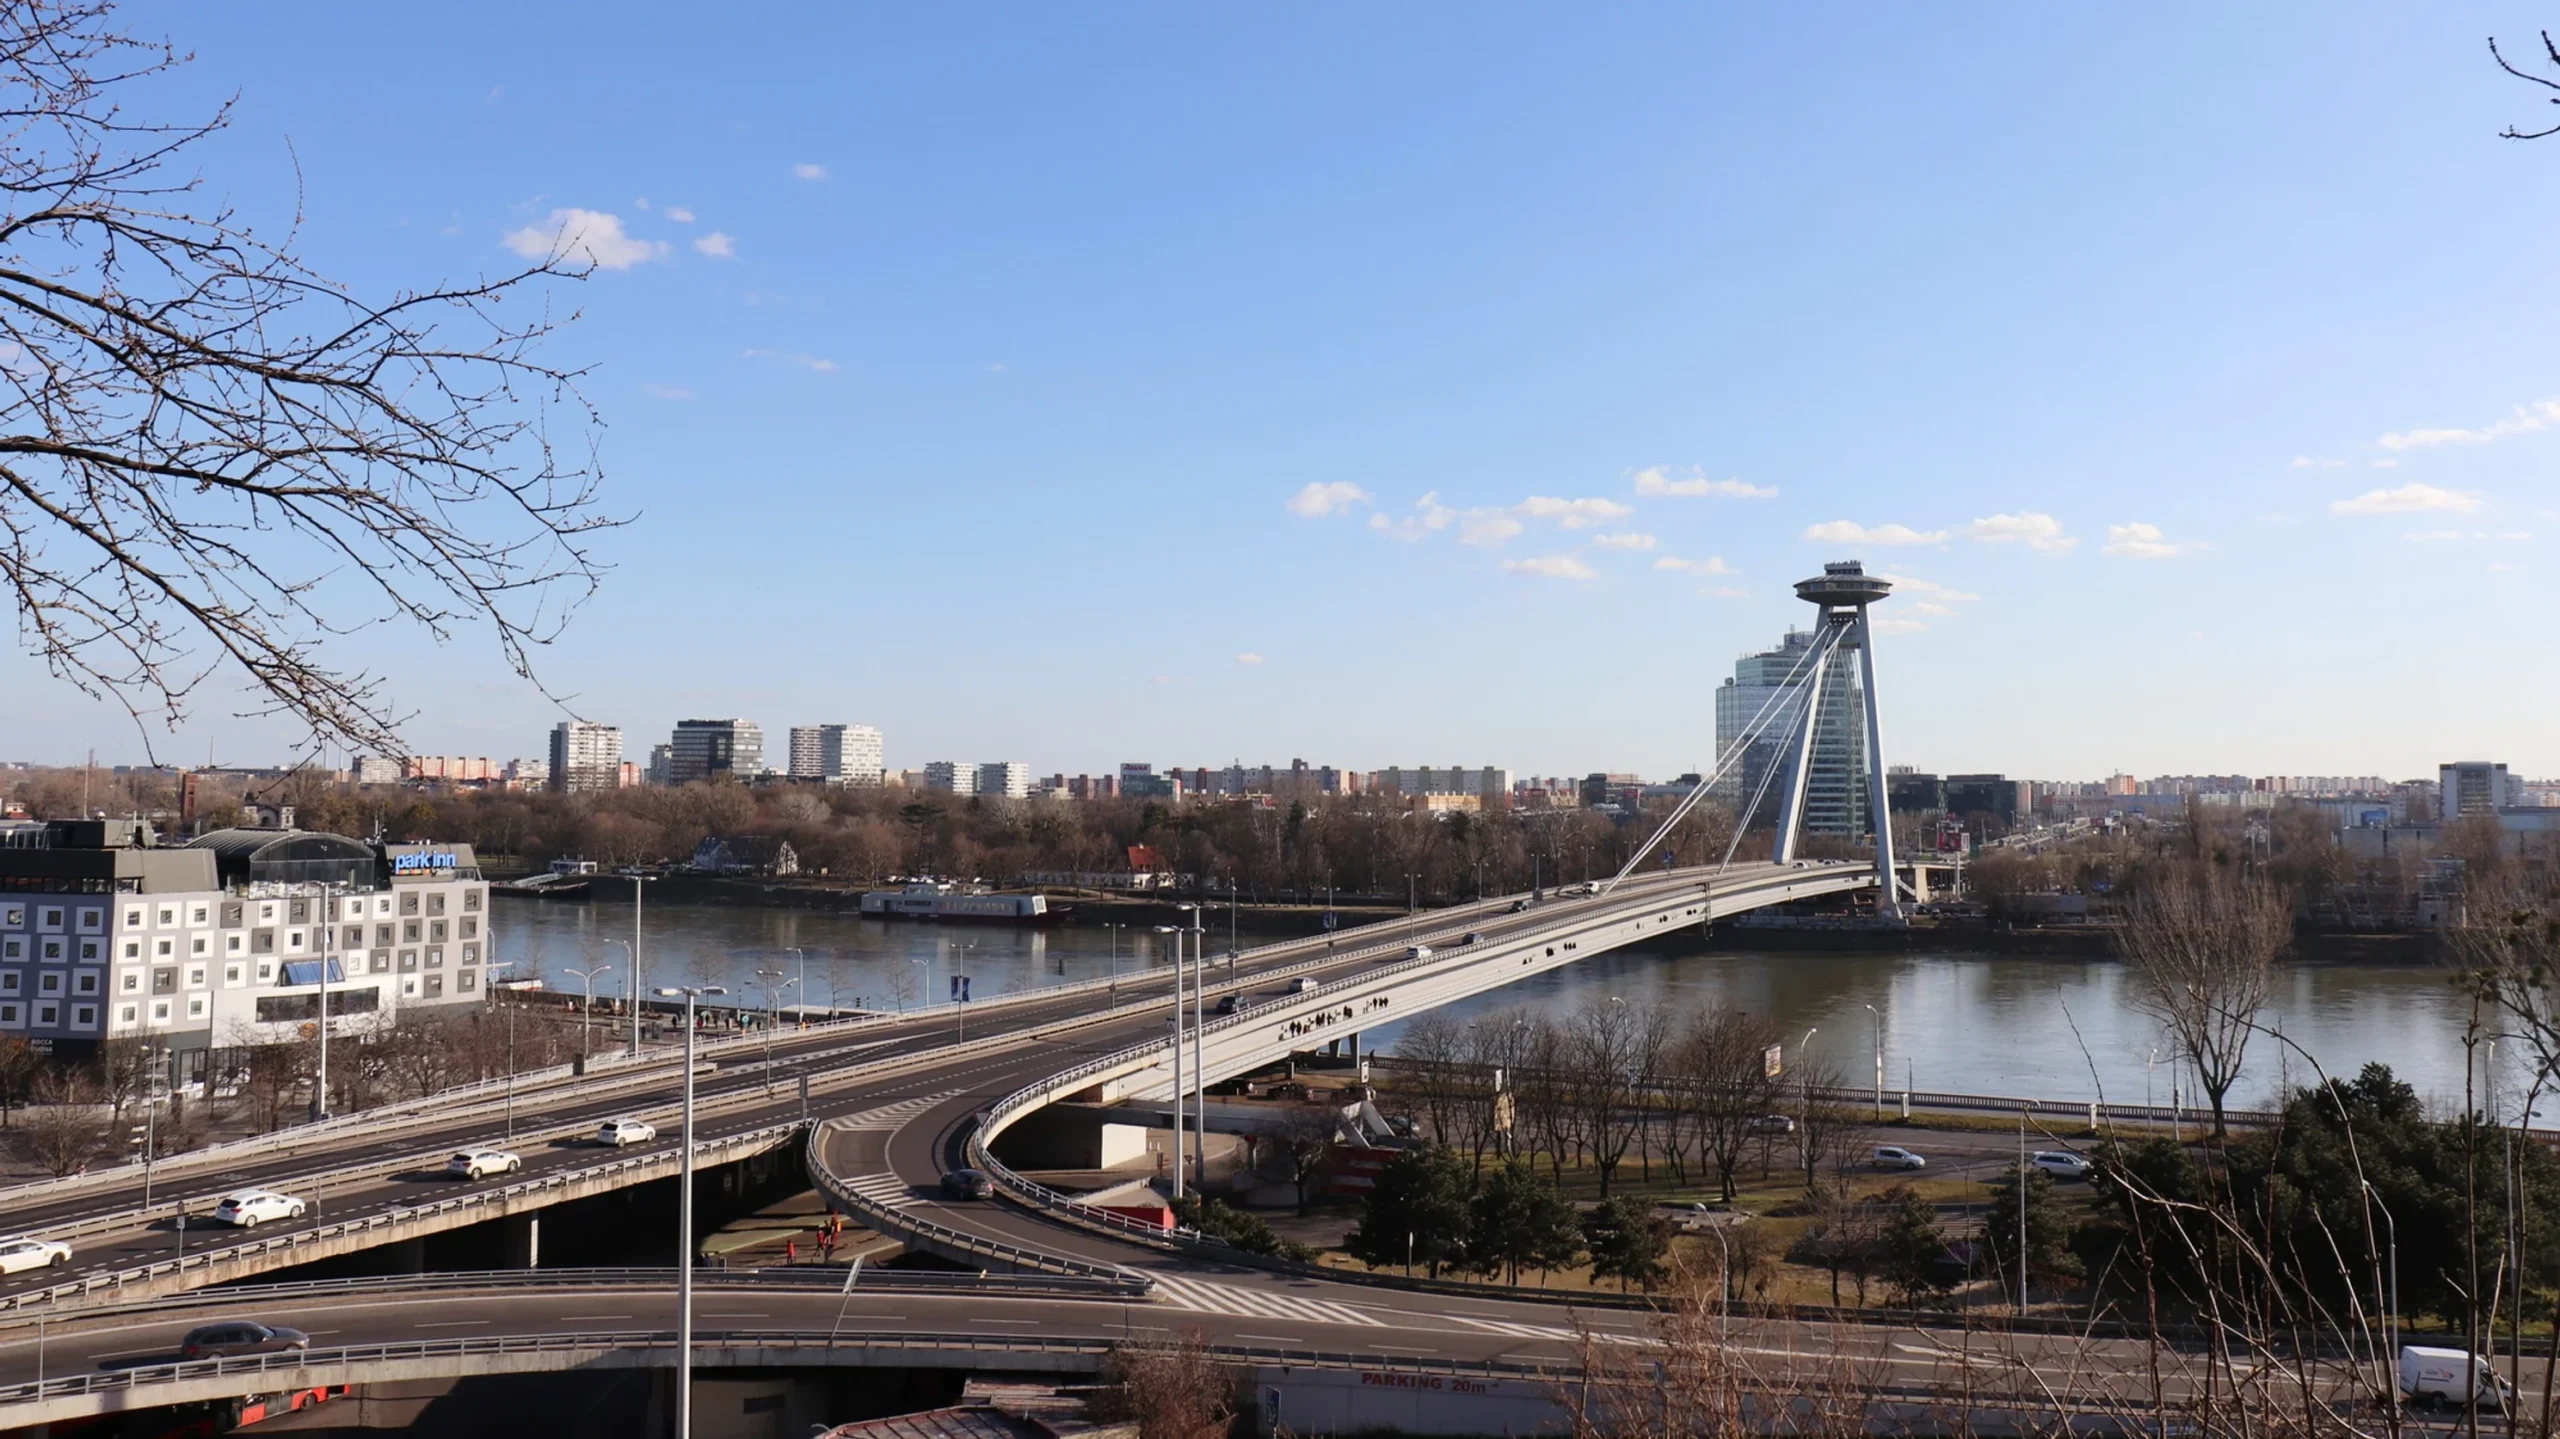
[
  {"x": 213, "y": 459},
  {"x": 63, "y": 1131},
  {"x": 1171, "y": 1391},
  {"x": 1719, "y": 1072},
  {"x": 1612, "y": 1051},
  {"x": 2202, "y": 942},
  {"x": 1305, "y": 1137}
]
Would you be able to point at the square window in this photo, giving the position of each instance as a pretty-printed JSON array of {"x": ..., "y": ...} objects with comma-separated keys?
[
  {"x": 197, "y": 945},
  {"x": 231, "y": 943},
  {"x": 14, "y": 915},
  {"x": 132, "y": 981},
  {"x": 266, "y": 970},
  {"x": 53, "y": 919},
  {"x": 8, "y": 1014},
  {"x": 195, "y": 1009},
  {"x": 195, "y": 976},
  {"x": 435, "y": 903},
  {"x": 133, "y": 917},
  {"x": 408, "y": 903},
  {"x": 125, "y": 1014},
  {"x": 168, "y": 915},
  {"x": 408, "y": 961},
  {"x": 164, "y": 980},
  {"x": 230, "y": 974},
  {"x": 470, "y": 927},
  {"x": 196, "y": 915},
  {"x": 381, "y": 962},
  {"x": 92, "y": 919},
  {"x": 89, "y": 951},
  {"x": 84, "y": 1016},
  {"x": 471, "y": 899},
  {"x": 408, "y": 990},
  {"x": 409, "y": 931},
  {"x": 435, "y": 929},
  {"x": 164, "y": 948},
  {"x": 85, "y": 983},
  {"x": 49, "y": 983},
  {"x": 13, "y": 949},
  {"x": 435, "y": 986},
  {"x": 133, "y": 949},
  {"x": 159, "y": 1009},
  {"x": 53, "y": 949},
  {"x": 48, "y": 1014},
  {"x": 471, "y": 954},
  {"x": 9, "y": 982},
  {"x": 293, "y": 941},
  {"x": 468, "y": 982}
]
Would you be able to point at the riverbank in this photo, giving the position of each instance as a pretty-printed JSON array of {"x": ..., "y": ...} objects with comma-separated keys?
[
  {"x": 1085, "y": 907},
  {"x": 2067, "y": 941}
]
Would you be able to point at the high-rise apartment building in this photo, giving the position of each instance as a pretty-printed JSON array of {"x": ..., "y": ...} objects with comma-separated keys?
[
  {"x": 2476, "y": 786},
  {"x": 1006, "y": 779},
  {"x": 836, "y": 753},
  {"x": 585, "y": 756},
  {"x": 951, "y": 777},
  {"x": 1836, "y": 775},
  {"x": 702, "y": 748}
]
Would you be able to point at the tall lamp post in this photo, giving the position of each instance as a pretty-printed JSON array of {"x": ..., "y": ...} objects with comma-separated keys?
[
  {"x": 803, "y": 981},
  {"x": 328, "y": 929},
  {"x": 639, "y": 883},
  {"x": 1804, "y": 1117},
  {"x": 1879, "y": 1014},
  {"x": 587, "y": 1019},
  {"x": 684, "y": 1217},
  {"x": 493, "y": 967},
  {"x": 773, "y": 996},
  {"x": 1199, "y": 1022},
  {"x": 1176, "y": 931}
]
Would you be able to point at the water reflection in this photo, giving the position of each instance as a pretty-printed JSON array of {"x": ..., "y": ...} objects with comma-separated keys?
[{"x": 2061, "y": 1028}]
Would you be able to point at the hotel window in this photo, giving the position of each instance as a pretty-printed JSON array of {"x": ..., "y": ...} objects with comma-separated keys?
[
  {"x": 14, "y": 915},
  {"x": 382, "y": 905},
  {"x": 164, "y": 948},
  {"x": 125, "y": 1015},
  {"x": 266, "y": 970},
  {"x": 471, "y": 899},
  {"x": 168, "y": 916},
  {"x": 13, "y": 949},
  {"x": 132, "y": 983},
  {"x": 84, "y": 1016},
  {"x": 8, "y": 1014},
  {"x": 382, "y": 934},
  {"x": 293, "y": 941},
  {"x": 382, "y": 961},
  {"x": 435, "y": 929},
  {"x": 164, "y": 980},
  {"x": 471, "y": 954},
  {"x": 133, "y": 949},
  {"x": 467, "y": 983},
  {"x": 92, "y": 918},
  {"x": 53, "y": 949},
  {"x": 198, "y": 947},
  {"x": 435, "y": 903},
  {"x": 409, "y": 902},
  {"x": 196, "y": 915},
  {"x": 133, "y": 917},
  {"x": 231, "y": 943},
  {"x": 195, "y": 1009},
  {"x": 53, "y": 919},
  {"x": 266, "y": 914},
  {"x": 408, "y": 961},
  {"x": 9, "y": 983},
  {"x": 230, "y": 974},
  {"x": 89, "y": 951},
  {"x": 409, "y": 931},
  {"x": 86, "y": 982},
  {"x": 408, "y": 990},
  {"x": 435, "y": 957},
  {"x": 195, "y": 976},
  {"x": 49, "y": 982},
  {"x": 435, "y": 986},
  {"x": 160, "y": 1009},
  {"x": 470, "y": 927},
  {"x": 48, "y": 1014}
]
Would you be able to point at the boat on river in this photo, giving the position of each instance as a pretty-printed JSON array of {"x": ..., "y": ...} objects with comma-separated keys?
[{"x": 942, "y": 900}]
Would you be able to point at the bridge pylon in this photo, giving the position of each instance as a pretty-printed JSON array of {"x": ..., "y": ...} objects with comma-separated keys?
[{"x": 1842, "y": 593}]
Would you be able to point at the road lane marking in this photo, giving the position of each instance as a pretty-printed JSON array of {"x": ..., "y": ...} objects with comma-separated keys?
[
  {"x": 565, "y": 1319},
  {"x": 1237, "y": 1301},
  {"x": 1004, "y": 1321},
  {"x": 448, "y": 1323},
  {"x": 737, "y": 1315}
]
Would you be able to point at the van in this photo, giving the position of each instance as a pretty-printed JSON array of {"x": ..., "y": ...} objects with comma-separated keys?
[
  {"x": 1304, "y": 984},
  {"x": 1417, "y": 951},
  {"x": 2449, "y": 1378}
]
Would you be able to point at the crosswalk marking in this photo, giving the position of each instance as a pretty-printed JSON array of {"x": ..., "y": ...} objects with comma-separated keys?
[
  {"x": 1540, "y": 1331},
  {"x": 893, "y": 1116},
  {"x": 1235, "y": 1300},
  {"x": 886, "y": 1190}
]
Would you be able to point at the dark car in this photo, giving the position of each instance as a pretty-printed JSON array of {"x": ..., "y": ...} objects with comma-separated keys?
[
  {"x": 968, "y": 1184},
  {"x": 1233, "y": 1004},
  {"x": 1517, "y": 905},
  {"x": 220, "y": 1341}
]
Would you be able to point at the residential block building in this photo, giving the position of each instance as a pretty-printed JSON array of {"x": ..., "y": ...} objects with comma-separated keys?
[
  {"x": 585, "y": 757},
  {"x": 703, "y": 748},
  {"x": 837, "y": 754}
]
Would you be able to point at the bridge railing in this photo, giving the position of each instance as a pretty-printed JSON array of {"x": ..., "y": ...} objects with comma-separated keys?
[{"x": 209, "y": 1259}]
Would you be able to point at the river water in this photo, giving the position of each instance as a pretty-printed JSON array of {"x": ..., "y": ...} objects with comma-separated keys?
[{"x": 2049, "y": 1028}]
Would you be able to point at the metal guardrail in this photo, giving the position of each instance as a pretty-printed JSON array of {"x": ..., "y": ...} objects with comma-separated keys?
[
  {"x": 479, "y": 1198},
  {"x": 888, "y": 1219},
  {"x": 298, "y": 1365},
  {"x": 1004, "y": 1111}
]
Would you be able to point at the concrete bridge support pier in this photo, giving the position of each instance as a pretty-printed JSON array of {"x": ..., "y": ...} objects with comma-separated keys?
[{"x": 520, "y": 1242}]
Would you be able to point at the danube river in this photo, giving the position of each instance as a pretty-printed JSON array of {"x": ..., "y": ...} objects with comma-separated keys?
[{"x": 2055, "y": 1028}]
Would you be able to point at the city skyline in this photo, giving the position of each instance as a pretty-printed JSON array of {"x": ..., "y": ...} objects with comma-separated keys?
[{"x": 1594, "y": 377}]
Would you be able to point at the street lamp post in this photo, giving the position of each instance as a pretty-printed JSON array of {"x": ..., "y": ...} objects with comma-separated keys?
[
  {"x": 639, "y": 884},
  {"x": 493, "y": 967},
  {"x": 1115, "y": 962},
  {"x": 1199, "y": 1022},
  {"x": 773, "y": 996},
  {"x": 684, "y": 1219},
  {"x": 328, "y": 927},
  {"x": 1176, "y": 932},
  {"x": 587, "y": 1019},
  {"x": 1804, "y": 1117},
  {"x": 1879, "y": 1014},
  {"x": 803, "y": 982}
]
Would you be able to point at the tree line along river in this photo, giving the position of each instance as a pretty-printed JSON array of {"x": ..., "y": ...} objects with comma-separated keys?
[{"x": 2022, "y": 1025}]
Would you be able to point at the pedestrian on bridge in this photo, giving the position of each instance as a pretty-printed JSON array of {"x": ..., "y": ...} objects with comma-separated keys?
[{"x": 791, "y": 1251}]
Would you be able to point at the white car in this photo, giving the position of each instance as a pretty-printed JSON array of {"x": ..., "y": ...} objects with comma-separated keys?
[
  {"x": 472, "y": 1163},
  {"x": 22, "y": 1254},
  {"x": 249, "y": 1208},
  {"x": 619, "y": 1132},
  {"x": 1890, "y": 1156},
  {"x": 2063, "y": 1164}
]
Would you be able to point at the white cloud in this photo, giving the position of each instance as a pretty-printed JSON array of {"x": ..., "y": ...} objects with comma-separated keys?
[
  {"x": 584, "y": 237},
  {"x": 680, "y": 214},
  {"x": 1488, "y": 528},
  {"x": 1248, "y": 658},
  {"x": 640, "y": 203},
  {"x": 1317, "y": 500},
  {"x": 807, "y": 171},
  {"x": 1657, "y": 480},
  {"x": 2409, "y": 499},
  {"x": 1628, "y": 541},
  {"x": 1428, "y": 515},
  {"x": 2523, "y": 420},
  {"x": 2138, "y": 541},
  {"x": 1711, "y": 565},
  {"x": 2034, "y": 529},
  {"x": 667, "y": 392},
  {"x": 1554, "y": 567},
  {"x": 2306, "y": 462},
  {"x": 806, "y": 362},
  {"x": 717, "y": 245},
  {"x": 1572, "y": 514},
  {"x": 1913, "y": 584},
  {"x": 1849, "y": 532}
]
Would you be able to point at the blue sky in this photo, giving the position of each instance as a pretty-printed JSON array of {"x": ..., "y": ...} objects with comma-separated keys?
[{"x": 1462, "y": 384}]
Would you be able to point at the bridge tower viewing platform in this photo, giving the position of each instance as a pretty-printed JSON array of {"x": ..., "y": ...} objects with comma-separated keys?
[{"x": 1842, "y": 594}]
